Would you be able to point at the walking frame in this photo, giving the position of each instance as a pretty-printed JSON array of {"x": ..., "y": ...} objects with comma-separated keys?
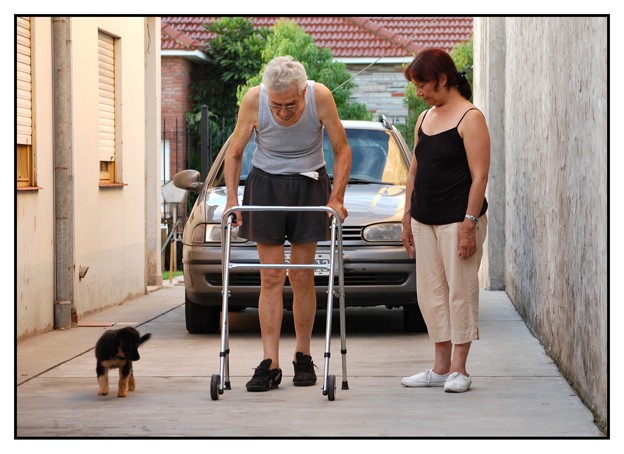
[{"x": 220, "y": 382}]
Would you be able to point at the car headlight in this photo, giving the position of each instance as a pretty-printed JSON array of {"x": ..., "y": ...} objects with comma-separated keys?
[
  {"x": 214, "y": 234},
  {"x": 382, "y": 232}
]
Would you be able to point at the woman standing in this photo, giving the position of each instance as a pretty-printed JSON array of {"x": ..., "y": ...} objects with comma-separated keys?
[{"x": 444, "y": 224}]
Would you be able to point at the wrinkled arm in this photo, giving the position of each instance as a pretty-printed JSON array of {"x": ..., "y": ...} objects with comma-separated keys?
[
  {"x": 245, "y": 124},
  {"x": 328, "y": 115}
]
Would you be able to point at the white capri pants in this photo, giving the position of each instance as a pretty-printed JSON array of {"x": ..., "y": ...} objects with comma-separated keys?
[{"x": 448, "y": 286}]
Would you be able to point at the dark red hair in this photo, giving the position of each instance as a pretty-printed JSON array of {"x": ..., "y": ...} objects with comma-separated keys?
[{"x": 430, "y": 64}]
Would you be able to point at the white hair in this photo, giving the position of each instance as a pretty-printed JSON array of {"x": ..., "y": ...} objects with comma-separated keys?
[{"x": 282, "y": 73}]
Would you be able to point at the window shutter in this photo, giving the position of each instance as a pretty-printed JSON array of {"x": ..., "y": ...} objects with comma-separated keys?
[
  {"x": 106, "y": 61},
  {"x": 24, "y": 82}
]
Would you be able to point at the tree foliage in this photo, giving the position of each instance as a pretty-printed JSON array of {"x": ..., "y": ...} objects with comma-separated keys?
[
  {"x": 236, "y": 56},
  {"x": 288, "y": 38}
]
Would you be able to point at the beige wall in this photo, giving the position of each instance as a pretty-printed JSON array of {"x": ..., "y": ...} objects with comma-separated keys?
[
  {"x": 542, "y": 82},
  {"x": 35, "y": 209},
  {"x": 110, "y": 224}
]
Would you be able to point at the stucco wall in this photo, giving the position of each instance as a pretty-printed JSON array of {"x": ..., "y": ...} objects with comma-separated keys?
[
  {"x": 110, "y": 233},
  {"x": 554, "y": 143},
  {"x": 111, "y": 227},
  {"x": 34, "y": 239}
]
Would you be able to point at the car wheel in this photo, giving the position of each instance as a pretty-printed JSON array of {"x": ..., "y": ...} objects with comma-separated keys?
[
  {"x": 413, "y": 320},
  {"x": 201, "y": 319}
]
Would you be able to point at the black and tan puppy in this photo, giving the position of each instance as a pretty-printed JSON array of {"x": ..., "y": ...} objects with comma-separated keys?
[{"x": 118, "y": 349}]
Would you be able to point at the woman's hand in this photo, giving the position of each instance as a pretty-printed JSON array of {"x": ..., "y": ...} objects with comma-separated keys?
[
  {"x": 407, "y": 238},
  {"x": 467, "y": 239}
]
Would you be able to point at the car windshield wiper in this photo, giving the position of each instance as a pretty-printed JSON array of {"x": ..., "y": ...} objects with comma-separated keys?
[{"x": 362, "y": 181}]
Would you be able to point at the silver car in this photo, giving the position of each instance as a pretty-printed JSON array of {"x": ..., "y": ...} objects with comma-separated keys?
[{"x": 377, "y": 270}]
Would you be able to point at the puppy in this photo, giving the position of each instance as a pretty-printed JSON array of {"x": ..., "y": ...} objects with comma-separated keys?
[{"x": 117, "y": 349}]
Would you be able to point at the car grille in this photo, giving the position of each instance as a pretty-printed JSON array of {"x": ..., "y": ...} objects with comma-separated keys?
[
  {"x": 356, "y": 279},
  {"x": 351, "y": 233}
]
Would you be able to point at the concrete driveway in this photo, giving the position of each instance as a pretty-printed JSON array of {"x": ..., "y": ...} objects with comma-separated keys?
[{"x": 517, "y": 390}]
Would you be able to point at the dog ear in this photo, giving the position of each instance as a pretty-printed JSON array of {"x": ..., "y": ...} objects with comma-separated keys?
[
  {"x": 145, "y": 338},
  {"x": 119, "y": 334},
  {"x": 125, "y": 332}
]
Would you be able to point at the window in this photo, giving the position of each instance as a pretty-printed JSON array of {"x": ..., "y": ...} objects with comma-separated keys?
[
  {"x": 25, "y": 160},
  {"x": 107, "y": 108}
]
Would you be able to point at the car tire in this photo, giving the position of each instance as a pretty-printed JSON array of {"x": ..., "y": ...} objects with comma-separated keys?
[
  {"x": 413, "y": 320},
  {"x": 201, "y": 319}
]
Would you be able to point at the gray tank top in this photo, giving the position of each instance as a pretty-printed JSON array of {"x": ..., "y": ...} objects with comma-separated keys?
[{"x": 288, "y": 149}]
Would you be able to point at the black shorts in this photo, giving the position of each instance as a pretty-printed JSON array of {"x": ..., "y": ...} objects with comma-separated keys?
[{"x": 274, "y": 227}]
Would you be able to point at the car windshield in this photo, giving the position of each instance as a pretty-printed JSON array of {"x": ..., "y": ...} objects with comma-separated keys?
[{"x": 376, "y": 158}]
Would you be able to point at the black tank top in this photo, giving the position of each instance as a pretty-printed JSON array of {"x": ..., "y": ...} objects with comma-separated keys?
[{"x": 443, "y": 179}]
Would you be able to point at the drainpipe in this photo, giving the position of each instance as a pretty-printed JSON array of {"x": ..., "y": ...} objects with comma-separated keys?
[
  {"x": 64, "y": 309},
  {"x": 153, "y": 240}
]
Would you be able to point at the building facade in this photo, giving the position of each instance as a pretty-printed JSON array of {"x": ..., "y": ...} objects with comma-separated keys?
[{"x": 87, "y": 180}]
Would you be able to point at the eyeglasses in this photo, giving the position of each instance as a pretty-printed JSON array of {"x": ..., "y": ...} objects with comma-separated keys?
[{"x": 278, "y": 107}]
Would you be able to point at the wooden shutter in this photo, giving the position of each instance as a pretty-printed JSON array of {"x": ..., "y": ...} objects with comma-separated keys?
[
  {"x": 24, "y": 82},
  {"x": 106, "y": 61}
]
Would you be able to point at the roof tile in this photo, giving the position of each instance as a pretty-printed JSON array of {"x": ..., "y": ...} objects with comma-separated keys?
[{"x": 372, "y": 36}]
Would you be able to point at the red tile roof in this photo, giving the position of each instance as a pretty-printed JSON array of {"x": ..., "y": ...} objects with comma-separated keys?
[{"x": 347, "y": 37}]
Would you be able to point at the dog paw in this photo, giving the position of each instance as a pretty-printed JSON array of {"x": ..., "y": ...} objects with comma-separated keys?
[
  {"x": 103, "y": 392},
  {"x": 122, "y": 394}
]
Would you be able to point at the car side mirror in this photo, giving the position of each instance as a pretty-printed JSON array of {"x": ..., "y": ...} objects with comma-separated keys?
[{"x": 189, "y": 180}]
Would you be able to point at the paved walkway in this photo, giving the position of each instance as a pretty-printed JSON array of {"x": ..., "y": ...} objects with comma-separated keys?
[{"x": 517, "y": 390}]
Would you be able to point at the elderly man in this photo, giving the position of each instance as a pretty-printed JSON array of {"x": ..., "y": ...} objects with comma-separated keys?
[{"x": 287, "y": 114}]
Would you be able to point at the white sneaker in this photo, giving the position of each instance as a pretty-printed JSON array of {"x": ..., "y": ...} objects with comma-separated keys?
[
  {"x": 457, "y": 383},
  {"x": 424, "y": 379}
]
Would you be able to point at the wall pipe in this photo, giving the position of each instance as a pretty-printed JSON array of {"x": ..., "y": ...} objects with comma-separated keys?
[{"x": 64, "y": 308}]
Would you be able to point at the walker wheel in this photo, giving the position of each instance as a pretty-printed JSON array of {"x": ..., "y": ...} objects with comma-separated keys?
[
  {"x": 214, "y": 386},
  {"x": 331, "y": 387}
]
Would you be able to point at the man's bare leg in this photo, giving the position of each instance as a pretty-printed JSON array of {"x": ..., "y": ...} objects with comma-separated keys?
[
  {"x": 271, "y": 302},
  {"x": 304, "y": 295}
]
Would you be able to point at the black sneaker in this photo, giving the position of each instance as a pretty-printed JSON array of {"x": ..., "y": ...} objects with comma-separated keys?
[
  {"x": 304, "y": 370},
  {"x": 264, "y": 378}
]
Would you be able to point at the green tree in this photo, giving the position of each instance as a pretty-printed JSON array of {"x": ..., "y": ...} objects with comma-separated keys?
[
  {"x": 234, "y": 55},
  {"x": 462, "y": 55},
  {"x": 287, "y": 38}
]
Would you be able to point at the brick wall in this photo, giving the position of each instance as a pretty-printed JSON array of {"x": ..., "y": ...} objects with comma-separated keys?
[
  {"x": 175, "y": 102},
  {"x": 381, "y": 88},
  {"x": 176, "y": 78}
]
